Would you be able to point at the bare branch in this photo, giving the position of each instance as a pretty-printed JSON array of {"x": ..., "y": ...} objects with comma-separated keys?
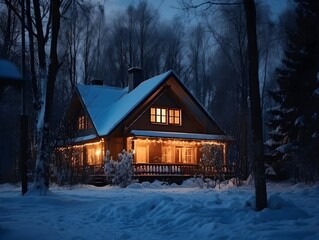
[
  {"x": 17, "y": 12},
  {"x": 206, "y": 4}
]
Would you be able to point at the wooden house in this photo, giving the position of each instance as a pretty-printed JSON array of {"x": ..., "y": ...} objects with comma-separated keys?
[{"x": 158, "y": 119}]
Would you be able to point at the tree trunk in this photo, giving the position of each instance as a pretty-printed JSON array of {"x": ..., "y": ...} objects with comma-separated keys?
[
  {"x": 47, "y": 79},
  {"x": 256, "y": 119},
  {"x": 52, "y": 73},
  {"x": 32, "y": 56}
]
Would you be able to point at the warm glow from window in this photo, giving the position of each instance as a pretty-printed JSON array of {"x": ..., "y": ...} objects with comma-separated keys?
[
  {"x": 84, "y": 123},
  {"x": 167, "y": 154},
  {"x": 159, "y": 115},
  {"x": 81, "y": 123},
  {"x": 94, "y": 155},
  {"x": 162, "y": 115},
  {"x": 175, "y": 116},
  {"x": 98, "y": 152}
]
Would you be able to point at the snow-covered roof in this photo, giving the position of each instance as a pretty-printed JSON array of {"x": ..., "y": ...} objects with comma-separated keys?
[
  {"x": 108, "y": 106},
  {"x": 8, "y": 71},
  {"x": 181, "y": 135}
]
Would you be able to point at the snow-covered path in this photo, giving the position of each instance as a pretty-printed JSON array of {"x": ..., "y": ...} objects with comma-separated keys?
[{"x": 155, "y": 211}]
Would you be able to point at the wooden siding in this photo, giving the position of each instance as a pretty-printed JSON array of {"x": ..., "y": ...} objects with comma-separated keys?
[{"x": 166, "y": 100}]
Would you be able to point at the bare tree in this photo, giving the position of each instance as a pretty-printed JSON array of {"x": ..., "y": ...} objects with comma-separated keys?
[
  {"x": 135, "y": 41},
  {"x": 226, "y": 25},
  {"x": 43, "y": 23},
  {"x": 242, "y": 41},
  {"x": 173, "y": 56},
  {"x": 9, "y": 32}
]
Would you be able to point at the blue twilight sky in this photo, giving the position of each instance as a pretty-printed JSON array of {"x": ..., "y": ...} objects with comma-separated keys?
[{"x": 169, "y": 8}]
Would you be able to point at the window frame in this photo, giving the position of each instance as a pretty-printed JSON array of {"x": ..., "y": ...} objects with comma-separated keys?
[
  {"x": 166, "y": 116},
  {"x": 84, "y": 123},
  {"x": 158, "y": 115},
  {"x": 175, "y": 116},
  {"x": 81, "y": 123}
]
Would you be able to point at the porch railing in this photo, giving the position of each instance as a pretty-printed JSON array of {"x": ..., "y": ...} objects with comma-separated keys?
[
  {"x": 142, "y": 169},
  {"x": 156, "y": 169}
]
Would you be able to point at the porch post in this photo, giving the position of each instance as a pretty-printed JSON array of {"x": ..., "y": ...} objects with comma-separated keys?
[
  {"x": 225, "y": 154},
  {"x": 124, "y": 142},
  {"x": 84, "y": 164},
  {"x": 106, "y": 146}
]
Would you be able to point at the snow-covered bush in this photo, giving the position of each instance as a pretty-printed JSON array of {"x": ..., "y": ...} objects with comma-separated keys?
[
  {"x": 109, "y": 166},
  {"x": 119, "y": 172},
  {"x": 212, "y": 155}
]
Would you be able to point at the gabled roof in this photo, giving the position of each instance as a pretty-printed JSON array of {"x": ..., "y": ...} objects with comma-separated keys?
[{"x": 108, "y": 106}]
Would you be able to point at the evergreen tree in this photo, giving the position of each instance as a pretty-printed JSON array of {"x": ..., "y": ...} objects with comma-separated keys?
[{"x": 294, "y": 123}]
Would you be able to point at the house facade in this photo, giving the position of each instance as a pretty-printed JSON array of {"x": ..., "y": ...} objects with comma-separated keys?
[{"x": 158, "y": 119}]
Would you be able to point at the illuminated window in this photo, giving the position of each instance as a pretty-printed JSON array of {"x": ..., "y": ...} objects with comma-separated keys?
[
  {"x": 185, "y": 155},
  {"x": 84, "y": 123},
  {"x": 188, "y": 155},
  {"x": 159, "y": 115},
  {"x": 94, "y": 155},
  {"x": 162, "y": 115},
  {"x": 81, "y": 123},
  {"x": 175, "y": 116},
  {"x": 167, "y": 154}
]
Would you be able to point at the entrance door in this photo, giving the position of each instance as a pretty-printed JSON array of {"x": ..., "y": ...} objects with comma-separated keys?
[
  {"x": 178, "y": 154},
  {"x": 141, "y": 153}
]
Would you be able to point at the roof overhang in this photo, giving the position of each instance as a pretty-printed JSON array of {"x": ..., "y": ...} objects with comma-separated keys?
[
  {"x": 9, "y": 74},
  {"x": 180, "y": 135},
  {"x": 79, "y": 140}
]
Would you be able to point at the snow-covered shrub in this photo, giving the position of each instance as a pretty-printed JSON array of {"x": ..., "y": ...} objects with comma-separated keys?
[
  {"x": 121, "y": 171},
  {"x": 212, "y": 155},
  {"x": 109, "y": 166}
]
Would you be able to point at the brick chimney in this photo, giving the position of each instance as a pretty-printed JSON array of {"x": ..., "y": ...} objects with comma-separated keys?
[{"x": 135, "y": 77}]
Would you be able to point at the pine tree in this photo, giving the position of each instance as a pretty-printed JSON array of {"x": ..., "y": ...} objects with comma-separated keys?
[{"x": 294, "y": 122}]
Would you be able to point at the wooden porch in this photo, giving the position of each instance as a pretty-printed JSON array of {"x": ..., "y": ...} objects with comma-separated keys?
[{"x": 170, "y": 172}]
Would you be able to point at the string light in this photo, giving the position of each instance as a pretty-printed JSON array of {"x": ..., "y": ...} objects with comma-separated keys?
[
  {"x": 81, "y": 145},
  {"x": 176, "y": 141}
]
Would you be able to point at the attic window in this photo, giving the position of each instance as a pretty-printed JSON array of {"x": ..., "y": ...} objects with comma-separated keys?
[
  {"x": 81, "y": 123},
  {"x": 166, "y": 116},
  {"x": 84, "y": 123},
  {"x": 175, "y": 116},
  {"x": 159, "y": 115}
]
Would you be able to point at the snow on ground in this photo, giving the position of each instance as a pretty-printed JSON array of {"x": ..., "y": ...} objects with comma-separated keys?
[{"x": 157, "y": 211}]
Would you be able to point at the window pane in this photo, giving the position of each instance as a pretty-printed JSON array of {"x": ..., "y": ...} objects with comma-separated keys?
[
  {"x": 163, "y": 111},
  {"x": 171, "y": 120},
  {"x": 153, "y": 111},
  {"x": 152, "y": 118},
  {"x": 163, "y": 119}
]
